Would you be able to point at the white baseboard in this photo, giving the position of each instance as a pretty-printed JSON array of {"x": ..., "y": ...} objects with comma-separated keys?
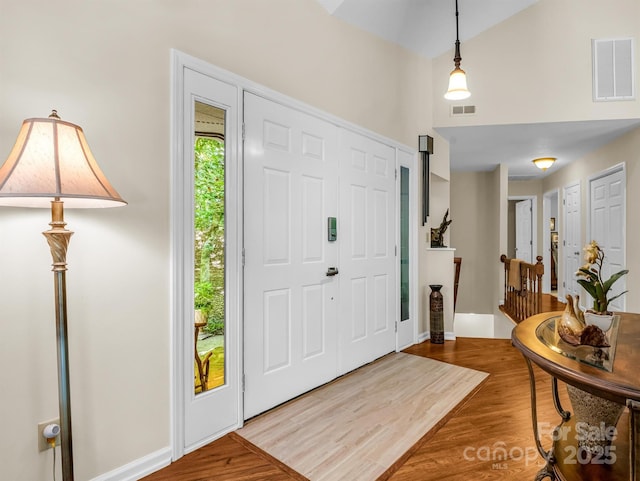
[
  {"x": 448, "y": 336},
  {"x": 139, "y": 468}
]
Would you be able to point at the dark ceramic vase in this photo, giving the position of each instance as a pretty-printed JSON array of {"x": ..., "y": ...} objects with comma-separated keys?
[{"x": 436, "y": 314}]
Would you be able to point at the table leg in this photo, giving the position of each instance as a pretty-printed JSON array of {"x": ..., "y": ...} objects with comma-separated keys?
[
  {"x": 565, "y": 415},
  {"x": 634, "y": 439},
  {"x": 547, "y": 471}
]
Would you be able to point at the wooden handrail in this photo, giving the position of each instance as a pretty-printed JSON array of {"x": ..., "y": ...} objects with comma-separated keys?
[
  {"x": 523, "y": 300},
  {"x": 457, "y": 261}
]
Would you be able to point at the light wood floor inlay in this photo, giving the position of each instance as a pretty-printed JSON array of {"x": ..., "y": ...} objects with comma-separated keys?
[{"x": 357, "y": 427}]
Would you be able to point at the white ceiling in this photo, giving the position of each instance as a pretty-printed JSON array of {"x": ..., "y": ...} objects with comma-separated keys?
[
  {"x": 482, "y": 148},
  {"x": 427, "y": 27}
]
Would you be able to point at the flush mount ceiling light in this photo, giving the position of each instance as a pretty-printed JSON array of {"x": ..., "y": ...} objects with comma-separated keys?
[
  {"x": 458, "y": 78},
  {"x": 543, "y": 163}
]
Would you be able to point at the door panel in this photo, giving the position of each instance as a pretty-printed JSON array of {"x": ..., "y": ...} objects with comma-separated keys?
[
  {"x": 367, "y": 251},
  {"x": 223, "y": 399},
  {"x": 303, "y": 326},
  {"x": 572, "y": 246},
  {"x": 607, "y": 218},
  {"x": 290, "y": 302},
  {"x": 524, "y": 239}
]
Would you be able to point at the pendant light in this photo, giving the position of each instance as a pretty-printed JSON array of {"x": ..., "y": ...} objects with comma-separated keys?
[{"x": 457, "y": 79}]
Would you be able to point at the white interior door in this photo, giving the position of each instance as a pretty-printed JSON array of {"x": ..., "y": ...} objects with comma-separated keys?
[
  {"x": 607, "y": 226},
  {"x": 572, "y": 244},
  {"x": 290, "y": 301},
  {"x": 524, "y": 239},
  {"x": 367, "y": 250}
]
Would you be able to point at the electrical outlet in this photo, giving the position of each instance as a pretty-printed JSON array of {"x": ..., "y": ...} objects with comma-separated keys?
[{"x": 43, "y": 445}]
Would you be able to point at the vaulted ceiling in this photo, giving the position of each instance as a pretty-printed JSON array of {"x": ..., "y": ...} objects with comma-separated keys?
[{"x": 427, "y": 27}]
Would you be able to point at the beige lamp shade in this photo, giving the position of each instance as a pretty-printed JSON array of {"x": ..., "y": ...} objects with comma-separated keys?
[{"x": 52, "y": 160}]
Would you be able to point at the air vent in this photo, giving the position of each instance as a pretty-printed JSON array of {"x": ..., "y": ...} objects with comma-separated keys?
[
  {"x": 463, "y": 110},
  {"x": 613, "y": 69}
]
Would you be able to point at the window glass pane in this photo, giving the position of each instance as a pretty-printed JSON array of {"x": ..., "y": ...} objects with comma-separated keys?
[
  {"x": 209, "y": 258},
  {"x": 404, "y": 244}
]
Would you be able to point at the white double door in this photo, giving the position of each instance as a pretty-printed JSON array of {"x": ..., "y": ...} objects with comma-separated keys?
[{"x": 303, "y": 326}]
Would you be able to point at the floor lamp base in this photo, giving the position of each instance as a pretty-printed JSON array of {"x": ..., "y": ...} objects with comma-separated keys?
[{"x": 58, "y": 238}]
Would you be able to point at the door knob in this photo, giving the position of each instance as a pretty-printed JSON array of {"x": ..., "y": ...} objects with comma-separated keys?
[{"x": 332, "y": 271}]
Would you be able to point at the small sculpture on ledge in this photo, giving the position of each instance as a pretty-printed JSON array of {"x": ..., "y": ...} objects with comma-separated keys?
[{"x": 437, "y": 235}]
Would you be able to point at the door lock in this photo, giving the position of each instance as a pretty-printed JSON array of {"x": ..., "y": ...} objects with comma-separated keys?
[{"x": 332, "y": 271}]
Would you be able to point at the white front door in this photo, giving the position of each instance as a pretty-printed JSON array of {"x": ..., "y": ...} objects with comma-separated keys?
[
  {"x": 208, "y": 413},
  {"x": 572, "y": 244},
  {"x": 607, "y": 226},
  {"x": 367, "y": 250},
  {"x": 290, "y": 301},
  {"x": 524, "y": 239}
]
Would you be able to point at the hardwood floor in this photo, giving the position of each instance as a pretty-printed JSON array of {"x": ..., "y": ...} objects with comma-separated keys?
[
  {"x": 551, "y": 303},
  {"x": 467, "y": 446},
  {"x": 498, "y": 416}
]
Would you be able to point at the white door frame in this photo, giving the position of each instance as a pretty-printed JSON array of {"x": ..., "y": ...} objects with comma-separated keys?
[
  {"x": 546, "y": 235},
  {"x": 410, "y": 161},
  {"x": 179, "y": 61},
  {"x": 182, "y": 242}
]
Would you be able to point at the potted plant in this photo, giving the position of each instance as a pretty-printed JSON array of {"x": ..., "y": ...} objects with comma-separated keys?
[{"x": 591, "y": 280}]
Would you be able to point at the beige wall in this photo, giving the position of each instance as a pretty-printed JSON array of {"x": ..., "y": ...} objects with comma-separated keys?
[
  {"x": 474, "y": 235},
  {"x": 106, "y": 66},
  {"x": 479, "y": 210},
  {"x": 540, "y": 65}
]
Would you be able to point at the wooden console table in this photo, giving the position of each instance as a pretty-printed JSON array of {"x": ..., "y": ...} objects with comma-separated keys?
[{"x": 619, "y": 382}]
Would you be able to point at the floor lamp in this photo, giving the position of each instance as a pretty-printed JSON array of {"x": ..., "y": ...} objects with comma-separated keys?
[{"x": 49, "y": 165}]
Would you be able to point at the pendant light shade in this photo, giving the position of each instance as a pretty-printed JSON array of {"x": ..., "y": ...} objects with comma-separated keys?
[
  {"x": 457, "y": 85},
  {"x": 458, "y": 78}
]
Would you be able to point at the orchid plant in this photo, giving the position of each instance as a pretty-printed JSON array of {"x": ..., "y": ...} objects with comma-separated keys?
[{"x": 591, "y": 278}]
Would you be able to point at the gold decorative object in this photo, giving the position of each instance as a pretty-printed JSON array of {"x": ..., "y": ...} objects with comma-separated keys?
[
  {"x": 573, "y": 329},
  {"x": 569, "y": 325}
]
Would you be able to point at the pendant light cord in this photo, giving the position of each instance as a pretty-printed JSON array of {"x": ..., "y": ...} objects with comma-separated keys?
[{"x": 457, "y": 58}]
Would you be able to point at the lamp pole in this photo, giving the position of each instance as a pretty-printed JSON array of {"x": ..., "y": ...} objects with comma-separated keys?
[{"x": 58, "y": 238}]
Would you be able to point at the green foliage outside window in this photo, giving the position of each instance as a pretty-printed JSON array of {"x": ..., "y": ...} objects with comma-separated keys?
[{"x": 209, "y": 232}]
